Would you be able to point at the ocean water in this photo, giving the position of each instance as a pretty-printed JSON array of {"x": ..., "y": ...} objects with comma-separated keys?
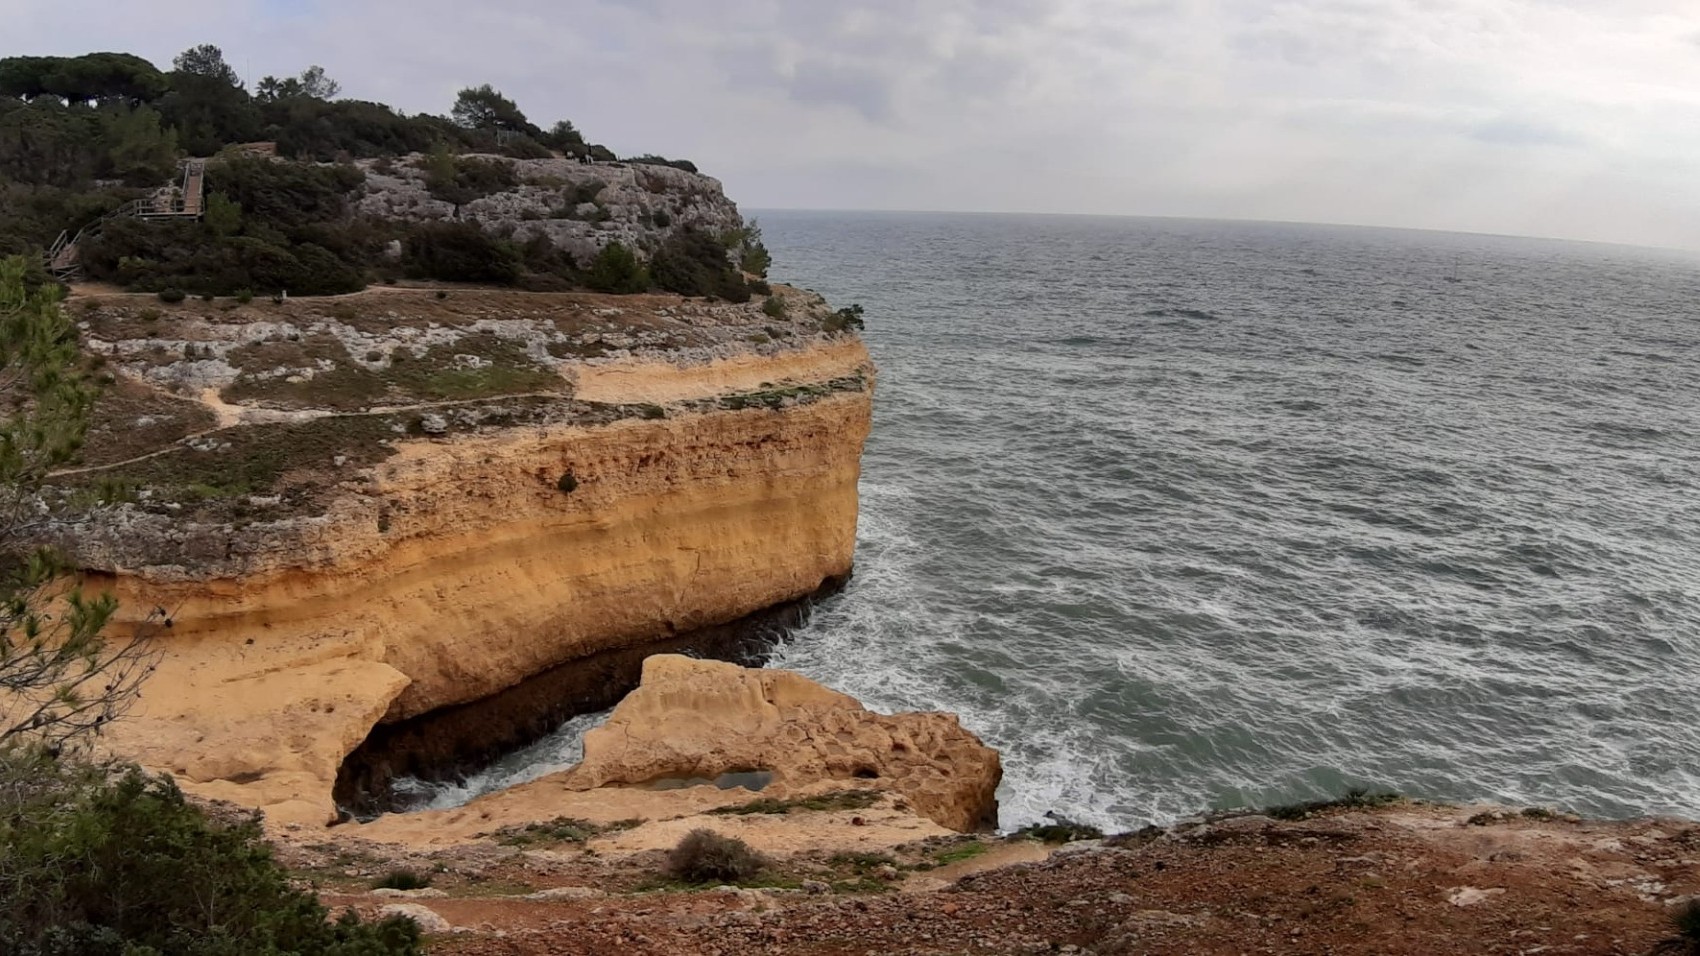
[{"x": 1183, "y": 514}]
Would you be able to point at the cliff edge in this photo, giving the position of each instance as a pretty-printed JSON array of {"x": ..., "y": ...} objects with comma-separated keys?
[{"x": 370, "y": 520}]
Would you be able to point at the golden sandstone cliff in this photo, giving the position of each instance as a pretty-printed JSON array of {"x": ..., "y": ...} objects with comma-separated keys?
[{"x": 412, "y": 526}]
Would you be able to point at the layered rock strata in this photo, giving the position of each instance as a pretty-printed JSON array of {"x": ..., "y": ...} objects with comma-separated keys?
[{"x": 379, "y": 507}]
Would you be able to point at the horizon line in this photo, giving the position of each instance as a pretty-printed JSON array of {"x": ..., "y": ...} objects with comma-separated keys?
[{"x": 1680, "y": 250}]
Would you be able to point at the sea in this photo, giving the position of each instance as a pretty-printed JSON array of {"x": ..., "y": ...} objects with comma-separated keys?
[{"x": 1184, "y": 515}]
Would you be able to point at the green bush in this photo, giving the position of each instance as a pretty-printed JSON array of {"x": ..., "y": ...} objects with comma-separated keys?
[
  {"x": 461, "y": 180},
  {"x": 171, "y": 295},
  {"x": 402, "y": 880},
  {"x": 244, "y": 296},
  {"x": 694, "y": 263},
  {"x": 704, "y": 856},
  {"x": 94, "y": 866},
  {"x": 460, "y": 252},
  {"x": 616, "y": 270},
  {"x": 286, "y": 196},
  {"x": 774, "y": 307},
  {"x": 847, "y": 319}
]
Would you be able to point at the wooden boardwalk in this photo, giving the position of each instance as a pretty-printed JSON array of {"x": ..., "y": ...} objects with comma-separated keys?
[{"x": 184, "y": 201}]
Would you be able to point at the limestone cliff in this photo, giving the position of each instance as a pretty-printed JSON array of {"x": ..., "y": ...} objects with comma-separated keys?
[
  {"x": 386, "y": 505},
  {"x": 581, "y": 207}
]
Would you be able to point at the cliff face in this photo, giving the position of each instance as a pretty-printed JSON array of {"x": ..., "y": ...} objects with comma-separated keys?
[
  {"x": 580, "y": 207},
  {"x": 417, "y": 552}
]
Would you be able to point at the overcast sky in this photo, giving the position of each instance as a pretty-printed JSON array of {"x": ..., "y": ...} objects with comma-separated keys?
[{"x": 1570, "y": 118}]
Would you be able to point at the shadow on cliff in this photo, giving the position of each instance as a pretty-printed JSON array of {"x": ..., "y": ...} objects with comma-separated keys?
[{"x": 452, "y": 743}]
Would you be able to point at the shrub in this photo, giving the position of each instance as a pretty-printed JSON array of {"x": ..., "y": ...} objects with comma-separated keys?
[
  {"x": 284, "y": 196},
  {"x": 616, "y": 270},
  {"x": 524, "y": 147},
  {"x": 1686, "y": 919},
  {"x": 402, "y": 880},
  {"x": 760, "y": 287},
  {"x": 207, "y": 297},
  {"x": 746, "y": 244},
  {"x": 1061, "y": 830},
  {"x": 650, "y": 159},
  {"x": 460, "y": 252},
  {"x": 171, "y": 296},
  {"x": 461, "y": 180},
  {"x": 847, "y": 319},
  {"x": 102, "y": 867},
  {"x": 694, "y": 263},
  {"x": 704, "y": 856},
  {"x": 774, "y": 307},
  {"x": 244, "y": 296},
  {"x": 582, "y": 193}
]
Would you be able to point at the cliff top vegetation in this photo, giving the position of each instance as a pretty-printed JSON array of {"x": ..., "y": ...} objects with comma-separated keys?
[{"x": 98, "y": 144}]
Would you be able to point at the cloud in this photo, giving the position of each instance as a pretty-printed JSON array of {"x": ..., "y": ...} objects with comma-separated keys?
[{"x": 1566, "y": 117}]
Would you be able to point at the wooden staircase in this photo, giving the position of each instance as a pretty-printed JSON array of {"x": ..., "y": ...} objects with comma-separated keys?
[{"x": 184, "y": 201}]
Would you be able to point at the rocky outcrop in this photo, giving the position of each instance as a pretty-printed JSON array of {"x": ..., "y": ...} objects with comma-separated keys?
[
  {"x": 699, "y": 740},
  {"x": 580, "y": 207},
  {"x": 698, "y": 720},
  {"x": 427, "y": 519}
]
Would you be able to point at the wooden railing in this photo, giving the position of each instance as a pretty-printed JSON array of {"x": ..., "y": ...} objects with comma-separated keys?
[{"x": 64, "y": 258}]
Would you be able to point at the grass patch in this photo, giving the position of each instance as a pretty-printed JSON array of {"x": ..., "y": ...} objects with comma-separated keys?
[
  {"x": 960, "y": 852},
  {"x": 862, "y": 862},
  {"x": 1357, "y": 798},
  {"x": 245, "y": 461},
  {"x": 477, "y": 366},
  {"x": 836, "y": 800}
]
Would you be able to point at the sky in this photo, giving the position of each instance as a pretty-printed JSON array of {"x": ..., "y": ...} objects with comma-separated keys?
[{"x": 1575, "y": 119}]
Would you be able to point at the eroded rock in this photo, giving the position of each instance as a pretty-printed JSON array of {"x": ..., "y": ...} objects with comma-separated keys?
[{"x": 697, "y": 720}]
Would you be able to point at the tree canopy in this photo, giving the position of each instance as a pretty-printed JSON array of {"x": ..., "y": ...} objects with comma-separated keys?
[
  {"x": 485, "y": 108},
  {"x": 206, "y": 61}
]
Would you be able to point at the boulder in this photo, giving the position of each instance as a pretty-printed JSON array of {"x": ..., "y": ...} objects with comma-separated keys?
[
  {"x": 428, "y": 919},
  {"x": 697, "y": 720}
]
